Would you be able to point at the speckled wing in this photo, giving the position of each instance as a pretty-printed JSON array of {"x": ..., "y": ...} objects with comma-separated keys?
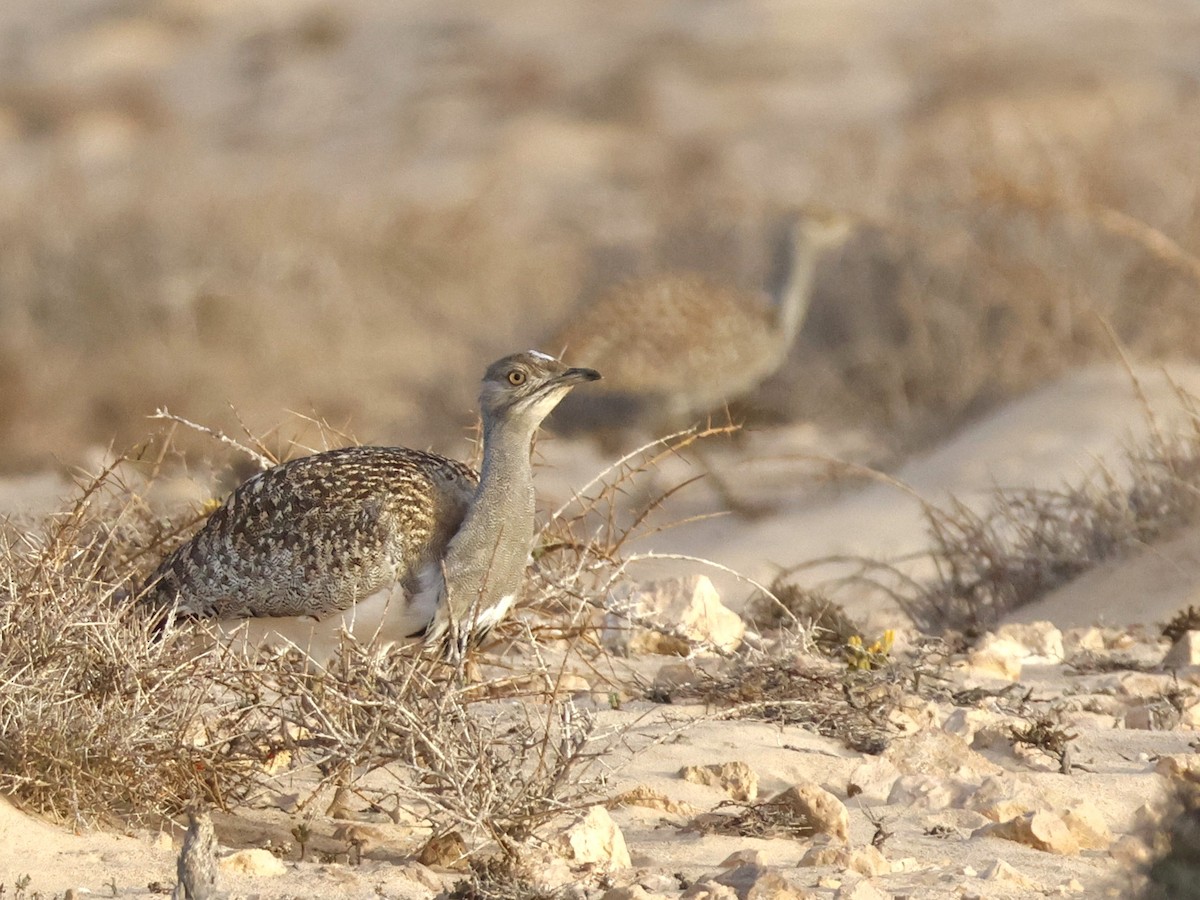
[{"x": 315, "y": 535}]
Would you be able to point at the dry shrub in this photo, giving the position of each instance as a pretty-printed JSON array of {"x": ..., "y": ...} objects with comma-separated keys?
[
  {"x": 765, "y": 819},
  {"x": 100, "y": 720},
  {"x": 96, "y": 719},
  {"x": 582, "y": 552},
  {"x": 1181, "y": 623},
  {"x": 415, "y": 735},
  {"x": 788, "y": 604},
  {"x": 1029, "y": 542},
  {"x": 850, "y": 705}
]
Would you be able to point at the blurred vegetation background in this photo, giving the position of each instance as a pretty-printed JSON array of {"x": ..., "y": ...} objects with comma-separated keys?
[{"x": 346, "y": 208}]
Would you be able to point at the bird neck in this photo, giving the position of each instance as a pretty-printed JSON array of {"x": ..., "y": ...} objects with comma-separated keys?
[
  {"x": 506, "y": 476},
  {"x": 486, "y": 558},
  {"x": 793, "y": 284}
]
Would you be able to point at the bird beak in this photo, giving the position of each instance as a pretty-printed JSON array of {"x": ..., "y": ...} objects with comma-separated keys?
[{"x": 577, "y": 376}]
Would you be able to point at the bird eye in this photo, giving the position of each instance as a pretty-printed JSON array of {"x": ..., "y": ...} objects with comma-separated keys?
[{"x": 516, "y": 377}]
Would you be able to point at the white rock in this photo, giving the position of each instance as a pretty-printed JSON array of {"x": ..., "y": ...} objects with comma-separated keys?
[
  {"x": 1002, "y": 798},
  {"x": 1090, "y": 639},
  {"x": 709, "y": 890},
  {"x": 1184, "y": 652},
  {"x": 736, "y": 779},
  {"x": 997, "y": 658},
  {"x": 865, "y": 860},
  {"x": 872, "y": 780},
  {"x": 825, "y": 812},
  {"x": 930, "y": 792},
  {"x": 257, "y": 863},
  {"x": 594, "y": 837},
  {"x": 965, "y": 722},
  {"x": 1042, "y": 641},
  {"x": 860, "y": 889},
  {"x": 1086, "y": 822},
  {"x": 1041, "y": 830},
  {"x": 752, "y": 882},
  {"x": 1002, "y": 871},
  {"x": 688, "y": 610},
  {"x": 935, "y": 752}
]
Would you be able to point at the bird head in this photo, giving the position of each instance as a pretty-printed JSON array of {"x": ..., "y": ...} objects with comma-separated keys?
[{"x": 525, "y": 387}]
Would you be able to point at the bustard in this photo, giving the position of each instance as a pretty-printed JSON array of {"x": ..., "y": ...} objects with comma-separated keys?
[
  {"x": 675, "y": 347},
  {"x": 386, "y": 542}
]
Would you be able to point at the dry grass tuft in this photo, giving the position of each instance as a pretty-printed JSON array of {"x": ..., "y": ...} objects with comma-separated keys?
[
  {"x": 765, "y": 819},
  {"x": 96, "y": 719},
  {"x": 1029, "y": 542},
  {"x": 405, "y": 733},
  {"x": 850, "y": 705},
  {"x": 99, "y": 721},
  {"x": 788, "y": 604},
  {"x": 1181, "y": 623}
]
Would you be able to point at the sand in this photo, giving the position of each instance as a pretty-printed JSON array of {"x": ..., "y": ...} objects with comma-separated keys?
[{"x": 1056, "y": 434}]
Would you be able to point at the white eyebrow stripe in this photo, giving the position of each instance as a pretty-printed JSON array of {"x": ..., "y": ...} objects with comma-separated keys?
[{"x": 540, "y": 355}]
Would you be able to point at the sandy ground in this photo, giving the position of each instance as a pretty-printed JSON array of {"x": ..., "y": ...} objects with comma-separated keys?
[{"x": 1056, "y": 434}]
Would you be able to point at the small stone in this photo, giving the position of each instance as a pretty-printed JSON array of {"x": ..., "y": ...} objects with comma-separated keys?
[
  {"x": 682, "y": 611},
  {"x": 908, "y": 864},
  {"x": 709, "y": 890},
  {"x": 418, "y": 874},
  {"x": 1000, "y": 798},
  {"x": 1086, "y": 822},
  {"x": 930, "y": 792},
  {"x": 865, "y": 860},
  {"x": 1040, "y": 830},
  {"x": 860, "y": 889},
  {"x": 811, "y": 802},
  {"x": 752, "y": 882},
  {"x": 872, "y": 780},
  {"x": 1042, "y": 641},
  {"x": 1184, "y": 652},
  {"x": 645, "y": 796},
  {"x": 1179, "y": 765},
  {"x": 257, "y": 863},
  {"x": 1002, "y": 871},
  {"x": 444, "y": 851},
  {"x": 737, "y": 779},
  {"x": 997, "y": 658},
  {"x": 593, "y": 837},
  {"x": 365, "y": 837},
  {"x": 935, "y": 752},
  {"x": 632, "y": 892},
  {"x": 1072, "y": 886},
  {"x": 744, "y": 858}
]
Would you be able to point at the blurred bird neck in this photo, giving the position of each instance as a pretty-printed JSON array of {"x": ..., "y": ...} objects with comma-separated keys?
[{"x": 795, "y": 288}]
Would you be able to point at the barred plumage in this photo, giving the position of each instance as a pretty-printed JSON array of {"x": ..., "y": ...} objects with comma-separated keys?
[
  {"x": 674, "y": 347},
  {"x": 196, "y": 867},
  {"x": 314, "y": 536},
  {"x": 385, "y": 542}
]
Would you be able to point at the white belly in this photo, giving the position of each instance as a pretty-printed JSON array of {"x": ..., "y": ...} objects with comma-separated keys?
[{"x": 387, "y": 617}]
